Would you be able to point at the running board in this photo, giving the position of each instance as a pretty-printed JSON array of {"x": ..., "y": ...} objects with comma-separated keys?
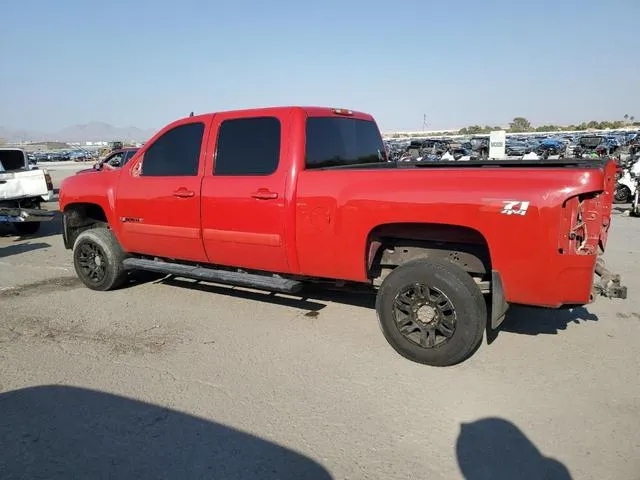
[{"x": 261, "y": 282}]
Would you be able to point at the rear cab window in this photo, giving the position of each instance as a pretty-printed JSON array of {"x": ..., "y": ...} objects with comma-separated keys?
[
  {"x": 340, "y": 142},
  {"x": 11, "y": 160}
]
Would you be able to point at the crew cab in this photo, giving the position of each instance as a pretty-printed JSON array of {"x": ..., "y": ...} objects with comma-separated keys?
[{"x": 273, "y": 198}]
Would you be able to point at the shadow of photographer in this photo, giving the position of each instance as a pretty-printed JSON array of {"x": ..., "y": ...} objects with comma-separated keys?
[
  {"x": 66, "y": 432},
  {"x": 495, "y": 449}
]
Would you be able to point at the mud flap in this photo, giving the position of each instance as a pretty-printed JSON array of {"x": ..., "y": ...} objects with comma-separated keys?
[
  {"x": 607, "y": 284},
  {"x": 499, "y": 305}
]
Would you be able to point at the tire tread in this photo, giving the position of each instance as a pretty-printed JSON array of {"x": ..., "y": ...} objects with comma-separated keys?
[
  {"x": 463, "y": 286},
  {"x": 104, "y": 237}
]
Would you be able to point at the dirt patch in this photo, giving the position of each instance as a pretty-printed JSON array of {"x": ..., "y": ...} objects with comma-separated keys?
[
  {"x": 44, "y": 329},
  {"x": 51, "y": 285}
]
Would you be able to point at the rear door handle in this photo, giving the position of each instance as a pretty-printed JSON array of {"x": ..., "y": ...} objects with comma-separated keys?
[
  {"x": 264, "y": 194},
  {"x": 183, "y": 193}
]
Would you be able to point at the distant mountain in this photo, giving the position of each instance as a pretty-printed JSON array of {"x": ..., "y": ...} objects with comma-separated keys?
[
  {"x": 11, "y": 135},
  {"x": 101, "y": 131},
  {"x": 88, "y": 132}
]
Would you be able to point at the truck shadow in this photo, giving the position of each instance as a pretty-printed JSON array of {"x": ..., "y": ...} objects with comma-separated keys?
[
  {"x": 496, "y": 449},
  {"x": 540, "y": 321},
  {"x": 47, "y": 229},
  {"x": 312, "y": 298},
  {"x": 19, "y": 248},
  {"x": 68, "y": 432},
  {"x": 620, "y": 209}
]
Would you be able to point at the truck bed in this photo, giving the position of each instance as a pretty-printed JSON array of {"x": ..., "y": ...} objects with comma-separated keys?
[
  {"x": 22, "y": 184},
  {"x": 562, "y": 163}
]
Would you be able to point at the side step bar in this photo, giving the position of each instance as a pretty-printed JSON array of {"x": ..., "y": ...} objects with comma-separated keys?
[{"x": 261, "y": 282}]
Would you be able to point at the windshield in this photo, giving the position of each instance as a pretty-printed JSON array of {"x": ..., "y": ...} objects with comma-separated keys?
[{"x": 338, "y": 142}]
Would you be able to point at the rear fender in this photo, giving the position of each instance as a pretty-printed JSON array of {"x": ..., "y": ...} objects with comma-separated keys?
[{"x": 586, "y": 218}]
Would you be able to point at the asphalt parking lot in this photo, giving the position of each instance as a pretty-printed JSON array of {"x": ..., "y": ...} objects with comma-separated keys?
[{"x": 172, "y": 379}]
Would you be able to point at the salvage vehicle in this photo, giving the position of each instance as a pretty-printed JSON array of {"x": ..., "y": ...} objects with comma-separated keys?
[
  {"x": 277, "y": 197},
  {"x": 593, "y": 146},
  {"x": 625, "y": 180},
  {"x": 115, "y": 159},
  {"x": 480, "y": 145},
  {"x": 516, "y": 148},
  {"x": 635, "y": 202},
  {"x": 23, "y": 188},
  {"x": 551, "y": 147}
]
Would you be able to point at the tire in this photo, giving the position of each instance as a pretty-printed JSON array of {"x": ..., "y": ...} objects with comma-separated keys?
[
  {"x": 622, "y": 194},
  {"x": 635, "y": 205},
  {"x": 27, "y": 228},
  {"x": 97, "y": 258},
  {"x": 450, "y": 294}
]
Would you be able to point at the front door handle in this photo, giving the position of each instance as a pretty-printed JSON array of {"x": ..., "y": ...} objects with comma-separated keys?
[
  {"x": 183, "y": 193},
  {"x": 264, "y": 194}
]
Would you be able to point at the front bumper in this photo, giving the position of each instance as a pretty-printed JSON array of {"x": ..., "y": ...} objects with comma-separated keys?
[
  {"x": 18, "y": 215},
  {"x": 607, "y": 284}
]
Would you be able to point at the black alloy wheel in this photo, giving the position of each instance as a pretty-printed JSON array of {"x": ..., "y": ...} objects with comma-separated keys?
[
  {"x": 92, "y": 262},
  {"x": 424, "y": 315}
]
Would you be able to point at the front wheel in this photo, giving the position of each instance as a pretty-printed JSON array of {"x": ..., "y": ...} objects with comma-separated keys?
[
  {"x": 635, "y": 205},
  {"x": 431, "y": 312},
  {"x": 97, "y": 258},
  {"x": 622, "y": 194}
]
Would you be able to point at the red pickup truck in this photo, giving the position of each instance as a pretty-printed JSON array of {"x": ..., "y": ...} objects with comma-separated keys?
[{"x": 276, "y": 197}]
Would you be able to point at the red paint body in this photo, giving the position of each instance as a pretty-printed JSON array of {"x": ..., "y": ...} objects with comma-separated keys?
[{"x": 318, "y": 223}]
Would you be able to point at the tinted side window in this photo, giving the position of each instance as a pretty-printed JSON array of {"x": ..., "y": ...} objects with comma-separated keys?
[
  {"x": 175, "y": 153},
  {"x": 337, "y": 142},
  {"x": 248, "y": 146}
]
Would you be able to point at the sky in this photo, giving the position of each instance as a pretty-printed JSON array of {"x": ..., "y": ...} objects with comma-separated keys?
[{"x": 145, "y": 63}]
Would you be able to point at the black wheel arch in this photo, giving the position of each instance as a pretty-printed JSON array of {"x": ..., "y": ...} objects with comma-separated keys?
[{"x": 78, "y": 217}]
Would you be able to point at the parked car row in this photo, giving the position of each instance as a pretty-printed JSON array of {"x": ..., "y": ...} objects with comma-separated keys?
[
  {"x": 62, "y": 155},
  {"x": 620, "y": 145}
]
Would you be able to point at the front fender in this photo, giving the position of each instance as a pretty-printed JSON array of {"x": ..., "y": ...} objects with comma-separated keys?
[{"x": 97, "y": 190}]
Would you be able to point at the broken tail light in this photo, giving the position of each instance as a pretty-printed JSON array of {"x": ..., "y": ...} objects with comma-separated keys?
[{"x": 586, "y": 218}]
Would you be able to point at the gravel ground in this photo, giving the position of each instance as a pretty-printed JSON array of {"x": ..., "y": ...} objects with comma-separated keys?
[{"x": 173, "y": 379}]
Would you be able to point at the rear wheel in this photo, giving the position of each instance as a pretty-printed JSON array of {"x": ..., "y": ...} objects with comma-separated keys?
[
  {"x": 97, "y": 258},
  {"x": 27, "y": 228},
  {"x": 431, "y": 312}
]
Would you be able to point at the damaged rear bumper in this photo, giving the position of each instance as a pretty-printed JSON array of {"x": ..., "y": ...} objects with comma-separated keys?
[
  {"x": 607, "y": 283},
  {"x": 17, "y": 215}
]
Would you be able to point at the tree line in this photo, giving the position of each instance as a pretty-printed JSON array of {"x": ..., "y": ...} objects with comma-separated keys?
[{"x": 521, "y": 125}]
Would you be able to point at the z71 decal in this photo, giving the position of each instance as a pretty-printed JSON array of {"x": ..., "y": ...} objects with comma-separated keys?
[{"x": 515, "y": 207}]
